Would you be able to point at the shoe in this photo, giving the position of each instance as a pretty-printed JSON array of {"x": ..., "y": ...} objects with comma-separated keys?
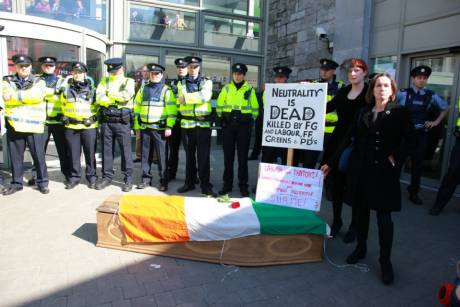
[
  {"x": 244, "y": 192},
  {"x": 185, "y": 188},
  {"x": 387, "y": 272},
  {"x": 44, "y": 190},
  {"x": 435, "y": 211},
  {"x": 31, "y": 182},
  {"x": 71, "y": 185},
  {"x": 11, "y": 190},
  {"x": 142, "y": 185},
  {"x": 208, "y": 191},
  {"x": 162, "y": 188},
  {"x": 103, "y": 184},
  {"x": 92, "y": 185},
  {"x": 137, "y": 160},
  {"x": 225, "y": 190},
  {"x": 2, "y": 188},
  {"x": 358, "y": 254},
  {"x": 335, "y": 228},
  {"x": 350, "y": 236},
  {"x": 415, "y": 199},
  {"x": 253, "y": 157},
  {"x": 128, "y": 186}
]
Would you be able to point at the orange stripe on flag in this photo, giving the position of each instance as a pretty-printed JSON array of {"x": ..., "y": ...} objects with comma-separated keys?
[{"x": 147, "y": 218}]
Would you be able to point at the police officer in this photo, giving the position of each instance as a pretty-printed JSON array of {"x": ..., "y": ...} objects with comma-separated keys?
[
  {"x": 80, "y": 120},
  {"x": 258, "y": 125},
  {"x": 237, "y": 106},
  {"x": 155, "y": 114},
  {"x": 175, "y": 138},
  {"x": 452, "y": 177},
  {"x": 2, "y": 107},
  {"x": 25, "y": 116},
  {"x": 194, "y": 99},
  {"x": 421, "y": 102},
  {"x": 115, "y": 94},
  {"x": 271, "y": 154},
  {"x": 144, "y": 78}
]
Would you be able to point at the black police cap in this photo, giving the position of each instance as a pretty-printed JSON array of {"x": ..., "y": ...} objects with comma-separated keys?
[
  {"x": 113, "y": 64},
  {"x": 180, "y": 62},
  {"x": 47, "y": 60},
  {"x": 420, "y": 70},
  {"x": 282, "y": 71},
  {"x": 239, "y": 67},
  {"x": 155, "y": 67},
  {"x": 193, "y": 60},
  {"x": 21, "y": 59},
  {"x": 328, "y": 64},
  {"x": 79, "y": 66}
]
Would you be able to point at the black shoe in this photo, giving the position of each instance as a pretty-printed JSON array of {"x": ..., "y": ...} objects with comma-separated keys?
[
  {"x": 128, "y": 186},
  {"x": 137, "y": 160},
  {"x": 142, "y": 185},
  {"x": 253, "y": 157},
  {"x": 358, "y": 254},
  {"x": 162, "y": 188},
  {"x": 31, "y": 182},
  {"x": 92, "y": 185},
  {"x": 2, "y": 188},
  {"x": 350, "y": 236},
  {"x": 71, "y": 184},
  {"x": 208, "y": 191},
  {"x": 11, "y": 190},
  {"x": 335, "y": 228},
  {"x": 44, "y": 190},
  {"x": 435, "y": 211},
  {"x": 185, "y": 188},
  {"x": 244, "y": 192},
  {"x": 103, "y": 184},
  {"x": 387, "y": 272},
  {"x": 225, "y": 190},
  {"x": 415, "y": 199}
]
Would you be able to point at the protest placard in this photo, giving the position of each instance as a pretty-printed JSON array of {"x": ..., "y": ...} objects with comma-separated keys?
[
  {"x": 294, "y": 115},
  {"x": 290, "y": 186}
]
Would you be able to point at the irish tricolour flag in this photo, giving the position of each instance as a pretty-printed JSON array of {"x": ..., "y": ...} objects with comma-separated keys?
[{"x": 145, "y": 218}]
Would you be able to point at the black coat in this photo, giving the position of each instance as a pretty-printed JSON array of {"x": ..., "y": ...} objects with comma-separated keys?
[{"x": 371, "y": 177}]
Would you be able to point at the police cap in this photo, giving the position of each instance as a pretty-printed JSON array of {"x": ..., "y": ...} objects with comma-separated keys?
[
  {"x": 193, "y": 60},
  {"x": 47, "y": 60},
  {"x": 155, "y": 67},
  {"x": 239, "y": 67},
  {"x": 328, "y": 64},
  {"x": 282, "y": 71},
  {"x": 79, "y": 66},
  {"x": 180, "y": 62},
  {"x": 113, "y": 64},
  {"x": 21, "y": 59},
  {"x": 420, "y": 70}
]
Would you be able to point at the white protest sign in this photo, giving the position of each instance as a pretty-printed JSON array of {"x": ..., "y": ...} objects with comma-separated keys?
[
  {"x": 294, "y": 115},
  {"x": 290, "y": 186}
]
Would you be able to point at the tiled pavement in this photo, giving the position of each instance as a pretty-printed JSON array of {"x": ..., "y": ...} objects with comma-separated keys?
[{"x": 48, "y": 258}]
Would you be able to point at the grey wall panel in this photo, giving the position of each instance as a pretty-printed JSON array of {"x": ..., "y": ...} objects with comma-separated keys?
[
  {"x": 386, "y": 13},
  {"x": 423, "y": 9},
  {"x": 384, "y": 42}
]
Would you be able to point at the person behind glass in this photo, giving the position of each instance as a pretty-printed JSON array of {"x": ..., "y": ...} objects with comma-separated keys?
[
  {"x": 114, "y": 95},
  {"x": 346, "y": 104},
  {"x": 145, "y": 75},
  {"x": 379, "y": 132},
  {"x": 238, "y": 108},
  {"x": 421, "y": 104},
  {"x": 25, "y": 115},
  {"x": 194, "y": 99},
  {"x": 272, "y": 154},
  {"x": 155, "y": 114},
  {"x": 80, "y": 122}
]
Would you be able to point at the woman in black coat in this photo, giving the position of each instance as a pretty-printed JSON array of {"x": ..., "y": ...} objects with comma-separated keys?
[
  {"x": 348, "y": 101},
  {"x": 379, "y": 132}
]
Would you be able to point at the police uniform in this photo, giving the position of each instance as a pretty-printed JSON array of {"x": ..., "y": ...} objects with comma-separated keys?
[
  {"x": 194, "y": 100},
  {"x": 80, "y": 120},
  {"x": 237, "y": 107},
  {"x": 2, "y": 107},
  {"x": 114, "y": 94},
  {"x": 155, "y": 111},
  {"x": 452, "y": 178},
  {"x": 272, "y": 154},
  {"x": 25, "y": 116},
  {"x": 420, "y": 103},
  {"x": 175, "y": 139},
  {"x": 258, "y": 125}
]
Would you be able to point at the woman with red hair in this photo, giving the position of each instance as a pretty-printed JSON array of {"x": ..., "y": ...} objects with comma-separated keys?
[{"x": 348, "y": 101}]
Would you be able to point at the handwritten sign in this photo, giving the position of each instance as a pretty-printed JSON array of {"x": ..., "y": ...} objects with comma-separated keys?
[
  {"x": 290, "y": 186},
  {"x": 294, "y": 115}
]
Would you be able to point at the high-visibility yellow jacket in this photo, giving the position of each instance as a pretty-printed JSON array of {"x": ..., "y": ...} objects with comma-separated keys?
[
  {"x": 154, "y": 107},
  {"x": 332, "y": 118},
  {"x": 25, "y": 111},
  {"x": 117, "y": 91},
  {"x": 197, "y": 108},
  {"x": 78, "y": 104},
  {"x": 52, "y": 99},
  {"x": 243, "y": 99}
]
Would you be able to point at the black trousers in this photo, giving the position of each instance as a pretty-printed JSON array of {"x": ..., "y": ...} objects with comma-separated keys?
[
  {"x": 417, "y": 158},
  {"x": 258, "y": 126},
  {"x": 309, "y": 158},
  {"x": 75, "y": 140},
  {"x": 197, "y": 144},
  {"x": 451, "y": 179},
  {"x": 154, "y": 140},
  {"x": 174, "y": 144},
  {"x": 271, "y": 154},
  {"x": 116, "y": 133},
  {"x": 17, "y": 142},
  {"x": 236, "y": 136}
]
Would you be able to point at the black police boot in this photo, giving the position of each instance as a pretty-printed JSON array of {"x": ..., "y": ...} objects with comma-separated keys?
[
  {"x": 386, "y": 243},
  {"x": 244, "y": 192},
  {"x": 2, "y": 188},
  {"x": 350, "y": 235},
  {"x": 436, "y": 210},
  {"x": 335, "y": 228},
  {"x": 142, "y": 185},
  {"x": 31, "y": 182},
  {"x": 103, "y": 184},
  {"x": 71, "y": 184},
  {"x": 413, "y": 197},
  {"x": 92, "y": 185},
  {"x": 208, "y": 191},
  {"x": 127, "y": 186},
  {"x": 44, "y": 189},
  {"x": 185, "y": 188},
  {"x": 11, "y": 190},
  {"x": 162, "y": 187},
  {"x": 225, "y": 190}
]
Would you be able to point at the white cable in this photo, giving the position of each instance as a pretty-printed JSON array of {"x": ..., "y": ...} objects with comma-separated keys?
[{"x": 360, "y": 266}]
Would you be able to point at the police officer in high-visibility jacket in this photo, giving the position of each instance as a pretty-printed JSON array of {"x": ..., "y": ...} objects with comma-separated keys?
[
  {"x": 237, "y": 107},
  {"x": 2, "y": 108},
  {"x": 155, "y": 113},
  {"x": 25, "y": 116},
  {"x": 115, "y": 94},
  {"x": 194, "y": 99},
  {"x": 78, "y": 97}
]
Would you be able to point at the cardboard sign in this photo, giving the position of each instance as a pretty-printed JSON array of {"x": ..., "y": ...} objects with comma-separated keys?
[
  {"x": 290, "y": 186},
  {"x": 294, "y": 115}
]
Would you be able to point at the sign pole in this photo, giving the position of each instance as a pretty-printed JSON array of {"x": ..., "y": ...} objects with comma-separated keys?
[{"x": 290, "y": 156}]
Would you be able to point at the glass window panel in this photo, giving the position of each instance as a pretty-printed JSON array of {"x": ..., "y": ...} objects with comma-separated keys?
[
  {"x": 35, "y": 48},
  {"x": 247, "y": 7},
  {"x": 153, "y": 23},
  {"x": 217, "y": 68},
  {"x": 5, "y": 5},
  {"x": 252, "y": 76},
  {"x": 231, "y": 33},
  {"x": 385, "y": 64},
  {"x": 135, "y": 64},
  {"x": 186, "y": 2},
  {"x": 86, "y": 13},
  {"x": 94, "y": 61}
]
